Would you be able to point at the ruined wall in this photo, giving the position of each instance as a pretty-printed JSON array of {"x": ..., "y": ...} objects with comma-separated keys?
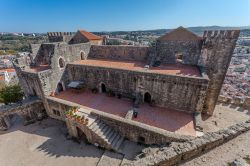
[
  {"x": 44, "y": 54},
  {"x": 30, "y": 109},
  {"x": 177, "y": 153},
  {"x": 166, "y": 51},
  {"x": 216, "y": 55},
  {"x": 68, "y": 53},
  {"x": 119, "y": 52},
  {"x": 184, "y": 93}
]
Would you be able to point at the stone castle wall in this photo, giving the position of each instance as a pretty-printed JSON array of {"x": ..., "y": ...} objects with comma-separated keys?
[
  {"x": 60, "y": 36},
  {"x": 215, "y": 56},
  {"x": 30, "y": 109},
  {"x": 128, "y": 128},
  {"x": 119, "y": 52},
  {"x": 177, "y": 153},
  {"x": 166, "y": 51},
  {"x": 184, "y": 93}
]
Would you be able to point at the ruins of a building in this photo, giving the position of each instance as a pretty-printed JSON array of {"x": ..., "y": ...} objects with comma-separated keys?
[{"x": 181, "y": 75}]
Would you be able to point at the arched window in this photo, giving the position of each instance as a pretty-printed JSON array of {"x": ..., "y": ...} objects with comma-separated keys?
[
  {"x": 61, "y": 63},
  {"x": 179, "y": 57},
  {"x": 147, "y": 97},
  {"x": 82, "y": 55}
]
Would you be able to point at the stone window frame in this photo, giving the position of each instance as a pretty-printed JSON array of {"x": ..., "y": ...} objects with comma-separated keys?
[
  {"x": 82, "y": 55},
  {"x": 63, "y": 61}
]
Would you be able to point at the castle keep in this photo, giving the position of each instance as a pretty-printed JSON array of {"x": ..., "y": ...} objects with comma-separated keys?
[{"x": 144, "y": 94}]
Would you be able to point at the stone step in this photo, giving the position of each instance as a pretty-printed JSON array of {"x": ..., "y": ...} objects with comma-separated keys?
[
  {"x": 109, "y": 135},
  {"x": 115, "y": 140},
  {"x": 118, "y": 144},
  {"x": 112, "y": 138},
  {"x": 102, "y": 132},
  {"x": 100, "y": 128},
  {"x": 94, "y": 123},
  {"x": 97, "y": 126}
]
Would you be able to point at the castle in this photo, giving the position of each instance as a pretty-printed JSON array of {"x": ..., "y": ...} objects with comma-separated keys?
[{"x": 144, "y": 94}]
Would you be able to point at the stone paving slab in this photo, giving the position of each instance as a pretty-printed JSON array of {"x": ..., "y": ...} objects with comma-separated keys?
[{"x": 110, "y": 159}]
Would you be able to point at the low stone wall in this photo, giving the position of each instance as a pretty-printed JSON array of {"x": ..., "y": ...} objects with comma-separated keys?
[
  {"x": 238, "y": 101},
  {"x": 180, "y": 152},
  {"x": 30, "y": 110},
  {"x": 135, "y": 131}
]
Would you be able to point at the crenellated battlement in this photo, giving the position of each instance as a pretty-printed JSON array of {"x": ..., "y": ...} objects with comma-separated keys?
[
  {"x": 229, "y": 34},
  {"x": 60, "y": 33}
]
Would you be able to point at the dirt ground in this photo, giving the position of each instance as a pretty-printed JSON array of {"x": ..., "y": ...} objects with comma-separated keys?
[
  {"x": 44, "y": 143},
  {"x": 224, "y": 116}
]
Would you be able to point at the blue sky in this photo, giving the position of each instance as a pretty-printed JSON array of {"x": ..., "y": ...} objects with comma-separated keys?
[{"x": 113, "y": 15}]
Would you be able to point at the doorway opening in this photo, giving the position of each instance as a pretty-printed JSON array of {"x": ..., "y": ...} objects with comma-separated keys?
[
  {"x": 59, "y": 87},
  {"x": 147, "y": 97},
  {"x": 103, "y": 88},
  {"x": 81, "y": 135}
]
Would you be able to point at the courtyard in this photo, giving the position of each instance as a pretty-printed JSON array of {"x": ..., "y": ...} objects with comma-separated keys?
[{"x": 167, "y": 119}]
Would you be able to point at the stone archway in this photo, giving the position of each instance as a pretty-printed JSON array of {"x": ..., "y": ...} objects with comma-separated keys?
[
  {"x": 82, "y": 55},
  {"x": 81, "y": 135},
  {"x": 103, "y": 88},
  {"x": 147, "y": 97},
  {"x": 60, "y": 87}
]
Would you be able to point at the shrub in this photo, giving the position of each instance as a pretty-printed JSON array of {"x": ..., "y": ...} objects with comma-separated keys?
[{"x": 11, "y": 94}]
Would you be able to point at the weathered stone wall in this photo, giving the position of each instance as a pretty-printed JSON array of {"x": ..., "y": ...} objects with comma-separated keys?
[
  {"x": 44, "y": 54},
  {"x": 134, "y": 131},
  {"x": 60, "y": 36},
  {"x": 216, "y": 55},
  {"x": 166, "y": 51},
  {"x": 128, "y": 128},
  {"x": 237, "y": 101},
  {"x": 184, "y": 93},
  {"x": 179, "y": 152},
  {"x": 30, "y": 109},
  {"x": 119, "y": 52}
]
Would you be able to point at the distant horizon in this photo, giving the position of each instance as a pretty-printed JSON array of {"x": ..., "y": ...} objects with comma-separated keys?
[
  {"x": 233, "y": 27},
  {"x": 41, "y": 16}
]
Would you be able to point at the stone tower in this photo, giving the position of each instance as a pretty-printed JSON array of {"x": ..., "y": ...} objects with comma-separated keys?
[{"x": 215, "y": 56}]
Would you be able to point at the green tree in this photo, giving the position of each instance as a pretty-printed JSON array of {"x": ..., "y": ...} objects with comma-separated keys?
[{"x": 11, "y": 94}]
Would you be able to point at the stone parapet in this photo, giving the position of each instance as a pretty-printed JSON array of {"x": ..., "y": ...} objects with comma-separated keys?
[{"x": 180, "y": 152}]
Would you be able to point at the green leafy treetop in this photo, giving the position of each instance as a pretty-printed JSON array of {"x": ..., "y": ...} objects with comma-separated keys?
[{"x": 11, "y": 94}]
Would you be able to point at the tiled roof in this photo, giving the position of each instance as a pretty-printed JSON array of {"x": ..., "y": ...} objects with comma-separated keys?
[
  {"x": 90, "y": 36},
  {"x": 180, "y": 34},
  {"x": 10, "y": 70},
  {"x": 2, "y": 78}
]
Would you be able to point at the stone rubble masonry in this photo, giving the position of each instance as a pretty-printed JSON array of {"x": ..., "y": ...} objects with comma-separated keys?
[
  {"x": 238, "y": 101},
  {"x": 166, "y": 90},
  {"x": 31, "y": 109},
  {"x": 127, "y": 128},
  {"x": 133, "y": 53},
  {"x": 180, "y": 152}
]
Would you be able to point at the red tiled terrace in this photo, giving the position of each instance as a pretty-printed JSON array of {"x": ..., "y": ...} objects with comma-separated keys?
[
  {"x": 172, "y": 69},
  {"x": 38, "y": 68},
  {"x": 167, "y": 119}
]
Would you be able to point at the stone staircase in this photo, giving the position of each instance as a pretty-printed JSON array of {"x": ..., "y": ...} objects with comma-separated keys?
[{"x": 112, "y": 138}]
